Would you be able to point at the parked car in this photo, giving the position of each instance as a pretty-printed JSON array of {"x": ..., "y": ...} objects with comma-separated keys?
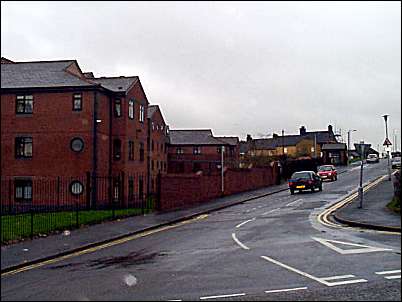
[
  {"x": 304, "y": 180},
  {"x": 396, "y": 162},
  {"x": 372, "y": 158},
  {"x": 327, "y": 172}
]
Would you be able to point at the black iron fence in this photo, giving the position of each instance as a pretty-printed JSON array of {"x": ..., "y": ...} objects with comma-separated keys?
[{"x": 36, "y": 206}]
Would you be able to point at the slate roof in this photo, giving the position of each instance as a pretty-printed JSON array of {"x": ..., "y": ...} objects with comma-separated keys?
[
  {"x": 40, "y": 74},
  {"x": 337, "y": 146},
  {"x": 116, "y": 84},
  {"x": 151, "y": 110},
  {"x": 244, "y": 147},
  {"x": 193, "y": 137},
  {"x": 231, "y": 140}
]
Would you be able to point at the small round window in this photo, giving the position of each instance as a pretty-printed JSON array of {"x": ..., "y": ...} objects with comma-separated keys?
[
  {"x": 76, "y": 188},
  {"x": 77, "y": 144}
]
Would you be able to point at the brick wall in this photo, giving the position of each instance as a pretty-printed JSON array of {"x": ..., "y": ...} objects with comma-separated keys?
[{"x": 181, "y": 190}]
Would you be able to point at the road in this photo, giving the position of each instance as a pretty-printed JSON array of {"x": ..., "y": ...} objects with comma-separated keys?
[{"x": 271, "y": 248}]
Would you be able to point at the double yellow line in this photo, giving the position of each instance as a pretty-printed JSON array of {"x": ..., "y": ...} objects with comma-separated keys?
[
  {"x": 101, "y": 246},
  {"x": 323, "y": 218}
]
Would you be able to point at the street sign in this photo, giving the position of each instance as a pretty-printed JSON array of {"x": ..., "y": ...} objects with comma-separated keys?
[{"x": 387, "y": 142}]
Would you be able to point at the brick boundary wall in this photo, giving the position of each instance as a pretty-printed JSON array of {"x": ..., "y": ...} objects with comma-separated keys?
[{"x": 183, "y": 190}]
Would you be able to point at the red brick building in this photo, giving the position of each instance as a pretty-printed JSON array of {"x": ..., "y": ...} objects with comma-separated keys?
[
  {"x": 157, "y": 146},
  {"x": 191, "y": 151},
  {"x": 57, "y": 121}
]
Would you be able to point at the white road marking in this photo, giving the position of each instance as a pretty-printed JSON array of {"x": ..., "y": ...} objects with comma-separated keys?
[
  {"x": 270, "y": 211},
  {"x": 360, "y": 250},
  {"x": 238, "y": 242},
  {"x": 222, "y": 296},
  {"x": 337, "y": 277},
  {"x": 293, "y": 202},
  {"x": 320, "y": 280},
  {"x": 388, "y": 272},
  {"x": 175, "y": 300},
  {"x": 285, "y": 290},
  {"x": 393, "y": 277},
  {"x": 243, "y": 223}
]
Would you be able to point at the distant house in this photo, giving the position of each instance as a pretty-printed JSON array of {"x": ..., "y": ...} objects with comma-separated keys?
[
  {"x": 335, "y": 154},
  {"x": 302, "y": 144},
  {"x": 191, "y": 151}
]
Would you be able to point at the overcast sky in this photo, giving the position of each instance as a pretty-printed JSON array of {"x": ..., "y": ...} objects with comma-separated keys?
[{"x": 234, "y": 67}]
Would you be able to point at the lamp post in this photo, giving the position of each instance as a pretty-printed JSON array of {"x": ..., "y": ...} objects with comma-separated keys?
[
  {"x": 360, "y": 190},
  {"x": 387, "y": 143},
  {"x": 223, "y": 185},
  {"x": 349, "y": 131}
]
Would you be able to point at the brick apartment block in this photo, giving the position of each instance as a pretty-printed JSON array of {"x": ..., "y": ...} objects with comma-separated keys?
[{"x": 58, "y": 121}]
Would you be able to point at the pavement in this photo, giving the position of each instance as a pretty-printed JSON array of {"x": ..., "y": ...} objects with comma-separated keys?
[
  {"x": 41, "y": 249},
  {"x": 374, "y": 214}
]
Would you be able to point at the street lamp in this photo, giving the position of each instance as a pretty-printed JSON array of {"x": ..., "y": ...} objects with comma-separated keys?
[
  {"x": 222, "y": 179},
  {"x": 349, "y": 131},
  {"x": 387, "y": 143}
]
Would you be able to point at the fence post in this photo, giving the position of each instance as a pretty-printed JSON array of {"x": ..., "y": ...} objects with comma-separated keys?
[
  {"x": 32, "y": 217},
  {"x": 10, "y": 191},
  {"x": 58, "y": 191},
  {"x": 76, "y": 215},
  {"x": 88, "y": 190}
]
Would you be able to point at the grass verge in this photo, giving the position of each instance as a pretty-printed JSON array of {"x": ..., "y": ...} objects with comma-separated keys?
[{"x": 395, "y": 205}]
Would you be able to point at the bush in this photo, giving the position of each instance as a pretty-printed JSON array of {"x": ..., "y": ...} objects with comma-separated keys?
[{"x": 397, "y": 185}]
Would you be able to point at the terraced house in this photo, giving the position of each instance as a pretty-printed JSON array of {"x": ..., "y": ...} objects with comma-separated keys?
[{"x": 57, "y": 121}]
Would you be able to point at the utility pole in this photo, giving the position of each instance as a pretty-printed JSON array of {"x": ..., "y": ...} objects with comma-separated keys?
[
  {"x": 360, "y": 190},
  {"x": 222, "y": 179},
  {"x": 283, "y": 142},
  {"x": 387, "y": 143},
  {"x": 349, "y": 131}
]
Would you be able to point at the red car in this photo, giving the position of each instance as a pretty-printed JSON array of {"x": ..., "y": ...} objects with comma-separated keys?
[{"x": 327, "y": 172}]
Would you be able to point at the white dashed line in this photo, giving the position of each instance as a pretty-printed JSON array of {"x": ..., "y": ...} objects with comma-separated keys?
[
  {"x": 238, "y": 242},
  {"x": 285, "y": 290},
  {"x": 222, "y": 296},
  {"x": 388, "y": 272},
  {"x": 243, "y": 223},
  {"x": 293, "y": 202},
  {"x": 338, "y": 277},
  {"x": 393, "y": 277},
  {"x": 270, "y": 211}
]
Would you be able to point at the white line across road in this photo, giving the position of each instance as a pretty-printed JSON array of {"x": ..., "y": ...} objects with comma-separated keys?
[
  {"x": 284, "y": 290},
  {"x": 239, "y": 243},
  {"x": 320, "y": 280},
  {"x": 243, "y": 223},
  {"x": 222, "y": 296}
]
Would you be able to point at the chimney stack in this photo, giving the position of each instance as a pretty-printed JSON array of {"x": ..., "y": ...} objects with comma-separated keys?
[{"x": 302, "y": 130}]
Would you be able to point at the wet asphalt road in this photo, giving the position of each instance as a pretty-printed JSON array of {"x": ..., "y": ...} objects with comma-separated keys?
[{"x": 272, "y": 248}]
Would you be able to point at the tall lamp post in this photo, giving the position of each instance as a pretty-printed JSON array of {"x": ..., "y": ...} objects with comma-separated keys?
[
  {"x": 349, "y": 131},
  {"x": 387, "y": 143},
  {"x": 360, "y": 190}
]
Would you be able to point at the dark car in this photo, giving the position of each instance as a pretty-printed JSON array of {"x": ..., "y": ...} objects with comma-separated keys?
[
  {"x": 304, "y": 180},
  {"x": 327, "y": 172}
]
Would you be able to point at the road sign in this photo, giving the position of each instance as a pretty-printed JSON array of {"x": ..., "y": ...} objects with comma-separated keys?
[{"x": 387, "y": 142}]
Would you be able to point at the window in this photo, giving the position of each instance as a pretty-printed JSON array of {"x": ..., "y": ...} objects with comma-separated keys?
[
  {"x": 131, "y": 109},
  {"x": 76, "y": 188},
  {"x": 24, "y": 104},
  {"x": 23, "y": 190},
  {"x": 23, "y": 147},
  {"x": 77, "y": 102},
  {"x": 117, "y": 108},
  {"x": 141, "y": 151},
  {"x": 231, "y": 151},
  {"x": 219, "y": 149},
  {"x": 153, "y": 126},
  {"x": 197, "y": 150},
  {"x": 179, "y": 151},
  {"x": 117, "y": 149},
  {"x": 285, "y": 150},
  {"x": 77, "y": 144},
  {"x": 130, "y": 150},
  {"x": 142, "y": 113}
]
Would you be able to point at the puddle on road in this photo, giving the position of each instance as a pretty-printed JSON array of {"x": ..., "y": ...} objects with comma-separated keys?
[{"x": 133, "y": 258}]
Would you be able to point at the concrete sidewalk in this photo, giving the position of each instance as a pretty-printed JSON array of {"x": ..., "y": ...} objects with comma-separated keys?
[
  {"x": 41, "y": 249},
  {"x": 374, "y": 214}
]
